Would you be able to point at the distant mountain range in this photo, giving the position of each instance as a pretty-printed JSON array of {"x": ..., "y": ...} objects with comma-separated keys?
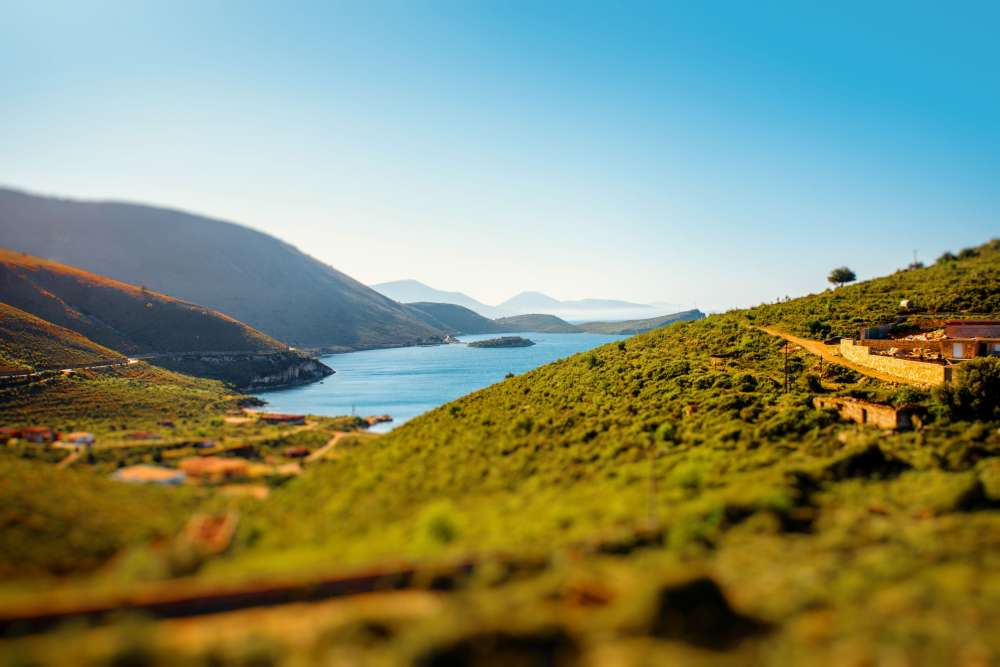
[
  {"x": 536, "y": 302},
  {"x": 246, "y": 274},
  {"x": 525, "y": 303},
  {"x": 414, "y": 291}
]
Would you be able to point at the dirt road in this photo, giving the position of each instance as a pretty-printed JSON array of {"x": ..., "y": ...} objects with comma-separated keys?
[{"x": 831, "y": 353}]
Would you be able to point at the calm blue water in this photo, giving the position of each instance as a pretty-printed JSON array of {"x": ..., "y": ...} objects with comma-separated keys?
[{"x": 409, "y": 381}]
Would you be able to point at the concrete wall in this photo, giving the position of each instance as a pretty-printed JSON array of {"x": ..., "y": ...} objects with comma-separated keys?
[
  {"x": 913, "y": 371},
  {"x": 865, "y": 412}
]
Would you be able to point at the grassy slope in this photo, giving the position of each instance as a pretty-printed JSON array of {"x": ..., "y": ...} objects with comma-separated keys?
[
  {"x": 27, "y": 342},
  {"x": 751, "y": 485},
  {"x": 107, "y": 400},
  {"x": 847, "y": 544},
  {"x": 536, "y": 323},
  {"x": 120, "y": 316},
  {"x": 964, "y": 287},
  {"x": 70, "y": 521},
  {"x": 631, "y": 327}
]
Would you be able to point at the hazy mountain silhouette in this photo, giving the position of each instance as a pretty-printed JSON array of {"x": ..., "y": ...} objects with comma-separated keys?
[
  {"x": 246, "y": 274},
  {"x": 414, "y": 291}
]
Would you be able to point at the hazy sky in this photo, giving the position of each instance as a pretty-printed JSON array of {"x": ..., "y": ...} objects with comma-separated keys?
[{"x": 720, "y": 154}]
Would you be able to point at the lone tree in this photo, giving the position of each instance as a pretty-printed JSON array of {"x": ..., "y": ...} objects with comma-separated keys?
[{"x": 841, "y": 275}]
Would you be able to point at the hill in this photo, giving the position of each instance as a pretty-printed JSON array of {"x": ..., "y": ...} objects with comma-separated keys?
[
  {"x": 674, "y": 497},
  {"x": 413, "y": 291},
  {"x": 630, "y": 327},
  {"x": 454, "y": 319},
  {"x": 246, "y": 274},
  {"x": 963, "y": 285},
  {"x": 32, "y": 344},
  {"x": 535, "y": 323},
  {"x": 138, "y": 322},
  {"x": 680, "y": 463},
  {"x": 127, "y": 318}
]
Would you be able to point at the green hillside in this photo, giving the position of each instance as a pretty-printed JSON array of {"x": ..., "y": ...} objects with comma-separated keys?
[
  {"x": 659, "y": 500},
  {"x": 788, "y": 509},
  {"x": 30, "y": 343},
  {"x": 631, "y": 327},
  {"x": 966, "y": 284},
  {"x": 535, "y": 323},
  {"x": 453, "y": 318}
]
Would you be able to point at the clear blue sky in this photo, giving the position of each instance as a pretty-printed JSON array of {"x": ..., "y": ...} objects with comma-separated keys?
[{"x": 719, "y": 154}]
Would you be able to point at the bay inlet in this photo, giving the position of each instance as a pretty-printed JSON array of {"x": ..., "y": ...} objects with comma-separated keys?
[{"x": 409, "y": 381}]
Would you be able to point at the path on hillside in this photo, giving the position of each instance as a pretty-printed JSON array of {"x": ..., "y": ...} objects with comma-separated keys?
[
  {"x": 320, "y": 453},
  {"x": 49, "y": 372},
  {"x": 831, "y": 354}
]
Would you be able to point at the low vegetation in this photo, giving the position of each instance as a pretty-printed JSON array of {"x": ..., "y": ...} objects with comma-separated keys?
[
  {"x": 951, "y": 287},
  {"x": 662, "y": 499},
  {"x": 28, "y": 343}
]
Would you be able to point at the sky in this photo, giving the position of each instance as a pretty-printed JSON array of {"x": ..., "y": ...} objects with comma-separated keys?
[{"x": 714, "y": 154}]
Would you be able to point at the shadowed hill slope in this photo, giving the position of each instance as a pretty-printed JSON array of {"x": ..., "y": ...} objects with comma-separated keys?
[
  {"x": 630, "y": 327},
  {"x": 31, "y": 343},
  {"x": 414, "y": 291},
  {"x": 241, "y": 272},
  {"x": 454, "y": 319},
  {"x": 536, "y": 323}
]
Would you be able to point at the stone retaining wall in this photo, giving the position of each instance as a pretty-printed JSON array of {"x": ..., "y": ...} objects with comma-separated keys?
[{"x": 912, "y": 371}]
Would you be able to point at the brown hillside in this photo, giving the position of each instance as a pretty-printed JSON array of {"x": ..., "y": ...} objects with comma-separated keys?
[
  {"x": 124, "y": 317},
  {"x": 30, "y": 343}
]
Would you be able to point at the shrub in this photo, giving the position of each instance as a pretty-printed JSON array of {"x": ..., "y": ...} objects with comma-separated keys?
[{"x": 975, "y": 393}]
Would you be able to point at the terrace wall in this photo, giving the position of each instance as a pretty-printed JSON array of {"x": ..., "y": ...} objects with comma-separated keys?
[
  {"x": 866, "y": 412},
  {"x": 921, "y": 372}
]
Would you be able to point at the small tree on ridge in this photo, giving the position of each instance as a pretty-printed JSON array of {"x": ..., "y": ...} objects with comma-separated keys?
[{"x": 841, "y": 275}]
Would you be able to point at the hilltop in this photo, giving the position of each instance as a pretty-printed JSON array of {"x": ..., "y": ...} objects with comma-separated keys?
[
  {"x": 28, "y": 343},
  {"x": 136, "y": 321},
  {"x": 243, "y": 273},
  {"x": 535, "y": 323},
  {"x": 630, "y": 327},
  {"x": 454, "y": 319}
]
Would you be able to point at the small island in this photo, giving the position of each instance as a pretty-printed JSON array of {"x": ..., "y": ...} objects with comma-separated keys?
[{"x": 503, "y": 341}]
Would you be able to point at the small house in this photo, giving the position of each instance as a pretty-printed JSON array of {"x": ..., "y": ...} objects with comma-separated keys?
[
  {"x": 38, "y": 435},
  {"x": 78, "y": 438},
  {"x": 275, "y": 418},
  {"x": 142, "y": 435},
  {"x": 867, "y": 413},
  {"x": 214, "y": 468},
  {"x": 965, "y": 339},
  {"x": 147, "y": 474}
]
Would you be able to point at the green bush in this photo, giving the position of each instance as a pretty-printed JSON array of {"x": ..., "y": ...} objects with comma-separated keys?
[{"x": 975, "y": 393}]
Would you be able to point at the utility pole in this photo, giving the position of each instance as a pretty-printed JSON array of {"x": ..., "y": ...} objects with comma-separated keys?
[
  {"x": 786, "y": 366},
  {"x": 651, "y": 491}
]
